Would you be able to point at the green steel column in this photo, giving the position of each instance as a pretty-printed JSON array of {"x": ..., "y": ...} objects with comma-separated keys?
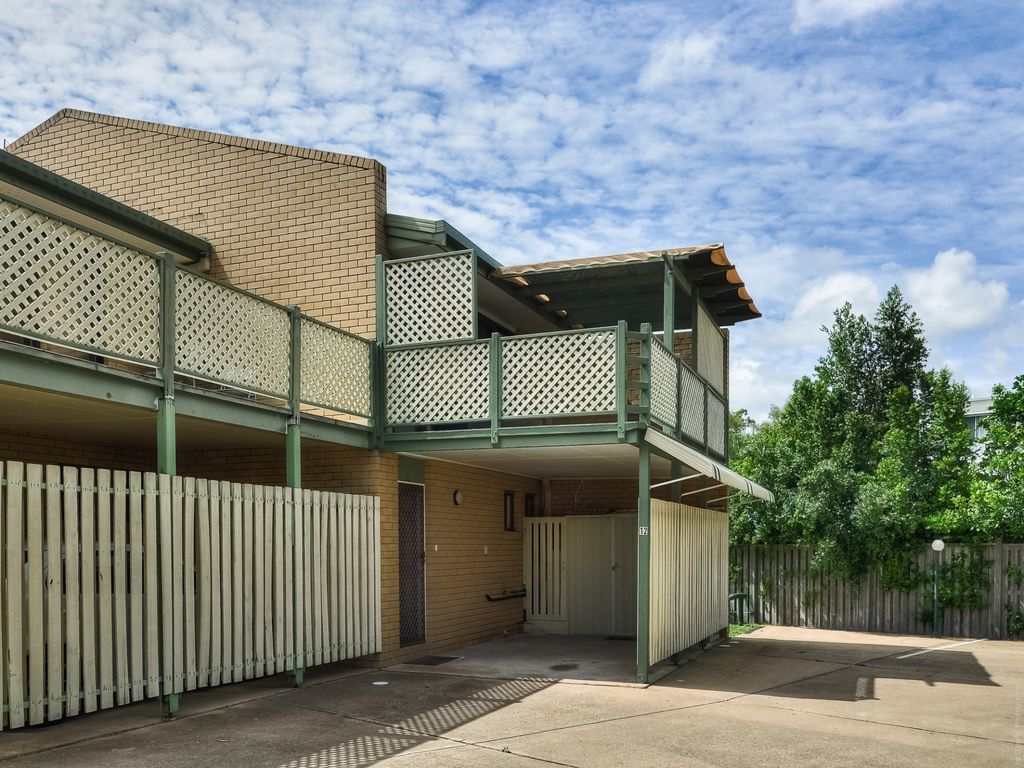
[
  {"x": 677, "y": 488},
  {"x": 293, "y": 457},
  {"x": 166, "y": 440},
  {"x": 643, "y": 576}
]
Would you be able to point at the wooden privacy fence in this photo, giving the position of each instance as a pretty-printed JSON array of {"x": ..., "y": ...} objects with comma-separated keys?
[
  {"x": 783, "y": 590},
  {"x": 689, "y": 576},
  {"x": 122, "y": 586}
]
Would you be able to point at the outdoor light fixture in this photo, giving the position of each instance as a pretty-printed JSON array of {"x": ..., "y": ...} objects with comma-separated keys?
[
  {"x": 937, "y": 546},
  {"x": 457, "y": 498}
]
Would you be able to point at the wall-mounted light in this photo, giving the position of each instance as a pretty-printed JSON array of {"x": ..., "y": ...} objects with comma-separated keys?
[{"x": 457, "y": 498}]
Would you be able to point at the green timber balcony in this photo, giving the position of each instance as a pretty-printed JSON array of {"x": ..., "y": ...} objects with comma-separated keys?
[
  {"x": 76, "y": 305},
  {"x": 594, "y": 384}
]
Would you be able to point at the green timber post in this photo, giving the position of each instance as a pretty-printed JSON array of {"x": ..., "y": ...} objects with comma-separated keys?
[
  {"x": 494, "y": 391},
  {"x": 643, "y": 576},
  {"x": 645, "y": 373},
  {"x": 166, "y": 437},
  {"x": 293, "y": 460},
  {"x": 293, "y": 439},
  {"x": 379, "y": 368},
  {"x": 668, "y": 307},
  {"x": 166, "y": 441},
  {"x": 621, "y": 379}
]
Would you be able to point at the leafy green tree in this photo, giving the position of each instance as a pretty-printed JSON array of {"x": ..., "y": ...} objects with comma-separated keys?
[
  {"x": 867, "y": 456},
  {"x": 998, "y": 500}
]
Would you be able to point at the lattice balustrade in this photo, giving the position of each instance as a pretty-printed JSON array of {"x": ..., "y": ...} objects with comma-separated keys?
[
  {"x": 691, "y": 404},
  {"x": 77, "y": 288},
  {"x": 716, "y": 424},
  {"x": 559, "y": 374},
  {"x": 335, "y": 369},
  {"x": 664, "y": 387},
  {"x": 446, "y": 383},
  {"x": 710, "y": 351},
  {"x": 231, "y": 337},
  {"x": 430, "y": 299}
]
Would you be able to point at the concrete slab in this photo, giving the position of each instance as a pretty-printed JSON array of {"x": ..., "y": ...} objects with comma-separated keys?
[
  {"x": 730, "y": 735},
  {"x": 752, "y": 703},
  {"x": 541, "y": 656}
]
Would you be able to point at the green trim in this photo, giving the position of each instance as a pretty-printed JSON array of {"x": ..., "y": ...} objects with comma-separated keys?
[
  {"x": 38, "y": 181},
  {"x": 166, "y": 434},
  {"x": 381, "y": 309},
  {"x": 643, "y": 575}
]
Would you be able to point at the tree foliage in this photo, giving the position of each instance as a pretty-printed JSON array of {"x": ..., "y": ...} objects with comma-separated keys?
[{"x": 871, "y": 455}]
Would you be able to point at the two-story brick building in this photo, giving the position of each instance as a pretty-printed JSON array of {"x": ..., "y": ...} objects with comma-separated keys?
[{"x": 194, "y": 305}]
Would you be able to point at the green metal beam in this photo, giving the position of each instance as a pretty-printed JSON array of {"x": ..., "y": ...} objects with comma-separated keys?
[{"x": 166, "y": 438}]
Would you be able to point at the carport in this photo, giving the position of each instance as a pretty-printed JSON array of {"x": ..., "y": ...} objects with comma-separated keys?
[{"x": 656, "y": 572}]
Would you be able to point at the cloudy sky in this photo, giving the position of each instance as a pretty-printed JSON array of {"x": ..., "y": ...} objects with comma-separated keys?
[{"x": 835, "y": 146}]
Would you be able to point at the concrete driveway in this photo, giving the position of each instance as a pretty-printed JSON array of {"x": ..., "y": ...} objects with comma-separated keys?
[{"x": 777, "y": 697}]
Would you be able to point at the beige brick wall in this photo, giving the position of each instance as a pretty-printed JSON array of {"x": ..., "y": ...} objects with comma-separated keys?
[
  {"x": 296, "y": 226},
  {"x": 47, "y": 449}
]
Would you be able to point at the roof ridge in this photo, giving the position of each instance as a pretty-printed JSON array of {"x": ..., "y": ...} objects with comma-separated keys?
[{"x": 213, "y": 137}]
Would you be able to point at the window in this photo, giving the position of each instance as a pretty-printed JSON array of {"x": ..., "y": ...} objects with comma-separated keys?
[{"x": 510, "y": 511}]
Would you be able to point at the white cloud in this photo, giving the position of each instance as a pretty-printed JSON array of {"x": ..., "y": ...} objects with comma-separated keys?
[
  {"x": 834, "y": 13},
  {"x": 677, "y": 56},
  {"x": 952, "y": 299}
]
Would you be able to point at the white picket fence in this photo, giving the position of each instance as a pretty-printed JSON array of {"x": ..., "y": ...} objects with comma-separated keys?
[{"x": 121, "y": 586}]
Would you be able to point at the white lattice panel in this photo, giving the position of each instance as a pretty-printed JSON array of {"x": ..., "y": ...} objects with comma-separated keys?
[
  {"x": 560, "y": 374},
  {"x": 710, "y": 351},
  {"x": 229, "y": 336},
  {"x": 428, "y": 385},
  {"x": 716, "y": 424},
  {"x": 335, "y": 369},
  {"x": 691, "y": 404},
  {"x": 664, "y": 387},
  {"x": 430, "y": 299},
  {"x": 75, "y": 287}
]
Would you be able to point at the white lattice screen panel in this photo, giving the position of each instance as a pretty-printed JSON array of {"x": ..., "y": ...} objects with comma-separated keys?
[
  {"x": 232, "y": 337},
  {"x": 560, "y": 374},
  {"x": 335, "y": 369},
  {"x": 710, "y": 351},
  {"x": 448, "y": 383},
  {"x": 664, "y": 387},
  {"x": 691, "y": 404},
  {"x": 77, "y": 288},
  {"x": 716, "y": 424},
  {"x": 430, "y": 299}
]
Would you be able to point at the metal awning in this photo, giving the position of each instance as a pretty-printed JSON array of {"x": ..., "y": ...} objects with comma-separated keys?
[{"x": 705, "y": 465}]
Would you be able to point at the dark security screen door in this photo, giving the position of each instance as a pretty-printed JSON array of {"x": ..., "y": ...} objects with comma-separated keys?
[{"x": 410, "y": 563}]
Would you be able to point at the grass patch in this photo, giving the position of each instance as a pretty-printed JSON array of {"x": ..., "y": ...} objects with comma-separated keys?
[{"x": 742, "y": 629}]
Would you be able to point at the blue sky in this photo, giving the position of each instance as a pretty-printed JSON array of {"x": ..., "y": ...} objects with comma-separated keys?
[{"x": 835, "y": 146}]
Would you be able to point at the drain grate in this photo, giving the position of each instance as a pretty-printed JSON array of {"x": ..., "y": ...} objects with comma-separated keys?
[{"x": 434, "y": 661}]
